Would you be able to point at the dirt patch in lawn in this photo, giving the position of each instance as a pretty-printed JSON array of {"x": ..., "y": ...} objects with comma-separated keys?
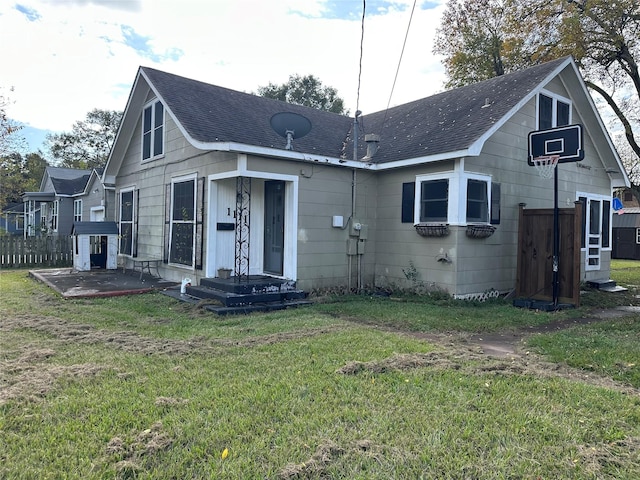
[
  {"x": 473, "y": 361},
  {"x": 128, "y": 341},
  {"x": 600, "y": 457},
  {"x": 29, "y": 376},
  {"x": 129, "y": 456},
  {"x": 495, "y": 353},
  {"x": 328, "y": 452}
]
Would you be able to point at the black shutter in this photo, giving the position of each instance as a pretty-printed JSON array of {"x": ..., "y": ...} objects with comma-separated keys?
[
  {"x": 606, "y": 215},
  {"x": 167, "y": 220},
  {"x": 199, "y": 222},
  {"x": 583, "y": 233},
  {"x": 408, "y": 202},
  {"x": 134, "y": 227},
  {"x": 495, "y": 204}
]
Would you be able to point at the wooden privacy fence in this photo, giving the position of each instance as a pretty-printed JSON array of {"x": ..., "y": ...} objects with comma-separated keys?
[
  {"x": 535, "y": 254},
  {"x": 19, "y": 252}
]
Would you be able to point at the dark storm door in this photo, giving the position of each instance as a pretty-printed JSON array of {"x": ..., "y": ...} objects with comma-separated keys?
[
  {"x": 273, "y": 226},
  {"x": 98, "y": 255}
]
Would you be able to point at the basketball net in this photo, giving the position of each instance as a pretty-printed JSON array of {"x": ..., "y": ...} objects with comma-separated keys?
[{"x": 546, "y": 164}]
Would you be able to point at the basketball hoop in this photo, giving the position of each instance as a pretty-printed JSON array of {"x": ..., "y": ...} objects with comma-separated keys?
[{"x": 546, "y": 164}]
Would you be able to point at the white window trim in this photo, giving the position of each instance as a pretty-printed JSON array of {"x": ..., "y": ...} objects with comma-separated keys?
[
  {"x": 601, "y": 198},
  {"x": 55, "y": 217},
  {"x": 185, "y": 178},
  {"x": 44, "y": 214},
  {"x": 554, "y": 108},
  {"x": 637, "y": 236},
  {"x": 586, "y": 221},
  {"x": 457, "y": 200},
  {"x": 77, "y": 210},
  {"x": 152, "y": 105},
  {"x": 134, "y": 233}
]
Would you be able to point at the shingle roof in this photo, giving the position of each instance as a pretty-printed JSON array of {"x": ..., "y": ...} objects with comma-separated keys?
[
  {"x": 215, "y": 114},
  {"x": 447, "y": 122},
  {"x": 71, "y": 186},
  {"x": 452, "y": 120},
  {"x": 68, "y": 181},
  {"x": 630, "y": 218},
  {"x": 14, "y": 208}
]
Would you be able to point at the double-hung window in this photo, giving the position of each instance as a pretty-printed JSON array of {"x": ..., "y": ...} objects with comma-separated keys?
[
  {"x": 152, "y": 131},
  {"x": 455, "y": 198},
  {"x": 477, "y": 201},
  {"x": 553, "y": 111},
  {"x": 434, "y": 200},
  {"x": 44, "y": 216},
  {"x": 127, "y": 221},
  {"x": 77, "y": 210},
  {"x": 54, "y": 215},
  {"x": 183, "y": 221}
]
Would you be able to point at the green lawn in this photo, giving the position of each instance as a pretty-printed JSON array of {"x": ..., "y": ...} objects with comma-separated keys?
[{"x": 145, "y": 387}]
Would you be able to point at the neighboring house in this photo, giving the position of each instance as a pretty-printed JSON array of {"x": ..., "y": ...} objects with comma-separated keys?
[
  {"x": 202, "y": 180},
  {"x": 626, "y": 234},
  {"x": 66, "y": 195},
  {"x": 627, "y": 198},
  {"x": 95, "y": 206},
  {"x": 12, "y": 219}
]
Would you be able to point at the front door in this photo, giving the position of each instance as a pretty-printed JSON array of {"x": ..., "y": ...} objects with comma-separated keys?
[{"x": 273, "y": 226}]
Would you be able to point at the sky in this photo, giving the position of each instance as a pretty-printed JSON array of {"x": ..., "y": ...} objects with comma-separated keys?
[{"x": 63, "y": 58}]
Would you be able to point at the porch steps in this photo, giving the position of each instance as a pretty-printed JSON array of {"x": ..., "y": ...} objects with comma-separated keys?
[
  {"x": 606, "y": 285},
  {"x": 259, "y": 293}
]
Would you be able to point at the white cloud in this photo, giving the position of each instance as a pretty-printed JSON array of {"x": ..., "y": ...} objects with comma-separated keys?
[{"x": 67, "y": 58}]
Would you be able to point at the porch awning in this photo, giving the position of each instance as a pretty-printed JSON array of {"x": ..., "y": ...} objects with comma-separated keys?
[{"x": 94, "y": 228}]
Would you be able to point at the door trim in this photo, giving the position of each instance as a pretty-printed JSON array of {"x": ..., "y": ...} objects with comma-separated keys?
[{"x": 290, "y": 267}]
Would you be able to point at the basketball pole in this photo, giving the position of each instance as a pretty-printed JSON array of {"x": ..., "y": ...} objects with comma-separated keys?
[{"x": 556, "y": 238}]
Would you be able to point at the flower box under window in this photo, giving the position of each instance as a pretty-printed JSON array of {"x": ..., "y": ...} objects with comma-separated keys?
[
  {"x": 432, "y": 229},
  {"x": 480, "y": 231}
]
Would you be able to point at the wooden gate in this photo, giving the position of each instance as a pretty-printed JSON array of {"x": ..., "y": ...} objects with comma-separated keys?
[{"x": 535, "y": 254}]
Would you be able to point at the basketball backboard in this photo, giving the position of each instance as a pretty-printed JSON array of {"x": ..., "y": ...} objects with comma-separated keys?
[{"x": 567, "y": 142}]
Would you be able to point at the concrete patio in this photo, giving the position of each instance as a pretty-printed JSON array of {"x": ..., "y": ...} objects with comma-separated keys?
[{"x": 71, "y": 283}]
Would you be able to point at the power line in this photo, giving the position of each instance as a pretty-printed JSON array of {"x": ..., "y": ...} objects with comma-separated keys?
[
  {"x": 364, "y": 8},
  {"x": 399, "y": 62}
]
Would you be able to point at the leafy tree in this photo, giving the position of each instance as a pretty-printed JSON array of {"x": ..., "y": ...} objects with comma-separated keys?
[
  {"x": 9, "y": 141},
  {"x": 19, "y": 174},
  {"x": 602, "y": 35},
  {"x": 471, "y": 37},
  {"x": 88, "y": 144},
  {"x": 307, "y": 91}
]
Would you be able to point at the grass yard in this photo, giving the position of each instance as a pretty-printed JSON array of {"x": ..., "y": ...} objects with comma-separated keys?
[{"x": 355, "y": 387}]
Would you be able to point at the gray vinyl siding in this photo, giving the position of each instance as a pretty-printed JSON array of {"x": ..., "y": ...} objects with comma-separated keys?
[
  {"x": 65, "y": 215},
  {"x": 398, "y": 246},
  {"x": 322, "y": 249},
  {"x": 93, "y": 199},
  {"x": 478, "y": 265},
  {"x": 392, "y": 248},
  {"x": 323, "y": 192}
]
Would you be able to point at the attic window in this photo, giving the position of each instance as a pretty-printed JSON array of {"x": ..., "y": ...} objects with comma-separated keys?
[
  {"x": 153, "y": 131},
  {"x": 553, "y": 111}
]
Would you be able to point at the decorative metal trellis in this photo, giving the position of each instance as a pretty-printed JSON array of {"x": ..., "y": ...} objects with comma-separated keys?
[{"x": 243, "y": 214}]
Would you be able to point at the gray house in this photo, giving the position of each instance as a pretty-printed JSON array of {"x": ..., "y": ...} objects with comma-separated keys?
[
  {"x": 626, "y": 234},
  {"x": 66, "y": 195},
  {"x": 12, "y": 219},
  {"x": 206, "y": 178}
]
